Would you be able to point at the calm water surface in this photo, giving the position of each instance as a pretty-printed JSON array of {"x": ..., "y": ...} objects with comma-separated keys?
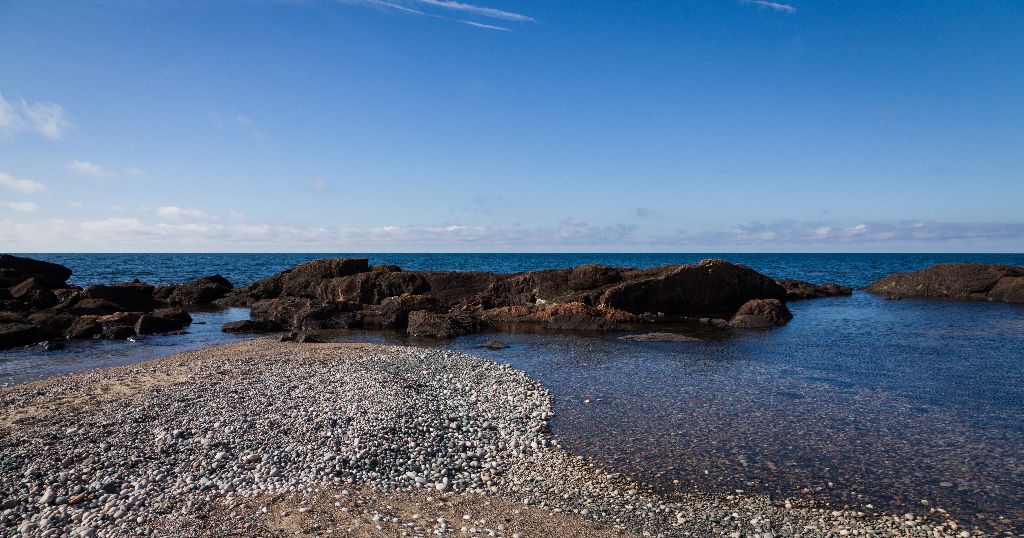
[{"x": 857, "y": 401}]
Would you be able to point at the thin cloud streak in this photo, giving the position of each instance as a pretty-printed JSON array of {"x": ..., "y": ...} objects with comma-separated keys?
[
  {"x": 449, "y": 6},
  {"x": 46, "y": 119},
  {"x": 476, "y": 10},
  {"x": 775, "y": 6},
  {"x": 23, "y": 186}
]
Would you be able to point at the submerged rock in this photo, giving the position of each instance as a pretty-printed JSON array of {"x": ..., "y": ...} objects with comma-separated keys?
[
  {"x": 251, "y": 326},
  {"x": 798, "y": 289},
  {"x": 659, "y": 337},
  {"x": 974, "y": 281}
]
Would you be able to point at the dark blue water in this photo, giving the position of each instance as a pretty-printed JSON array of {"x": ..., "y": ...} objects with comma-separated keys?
[{"x": 897, "y": 405}]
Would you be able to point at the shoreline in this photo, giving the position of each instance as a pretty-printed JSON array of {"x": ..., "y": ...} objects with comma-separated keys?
[{"x": 219, "y": 429}]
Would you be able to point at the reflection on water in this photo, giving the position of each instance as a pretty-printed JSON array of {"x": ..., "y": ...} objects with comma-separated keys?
[{"x": 903, "y": 405}]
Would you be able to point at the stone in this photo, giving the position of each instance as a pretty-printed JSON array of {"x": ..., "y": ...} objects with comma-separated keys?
[
  {"x": 586, "y": 277},
  {"x": 128, "y": 296},
  {"x": 395, "y": 310},
  {"x": 14, "y": 334},
  {"x": 162, "y": 320},
  {"x": 972, "y": 281},
  {"x": 35, "y": 293},
  {"x": 199, "y": 291},
  {"x": 432, "y": 325},
  {"x": 52, "y": 345},
  {"x": 494, "y": 344},
  {"x": 15, "y": 269},
  {"x": 798, "y": 289},
  {"x": 761, "y": 313}
]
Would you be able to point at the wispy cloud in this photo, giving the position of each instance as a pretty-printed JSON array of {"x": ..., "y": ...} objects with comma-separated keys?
[
  {"x": 22, "y": 207},
  {"x": 46, "y": 119},
  {"x": 774, "y": 6},
  {"x": 794, "y": 232},
  {"x": 23, "y": 186},
  {"x": 445, "y": 9},
  {"x": 647, "y": 213},
  {"x": 180, "y": 213},
  {"x": 86, "y": 168}
]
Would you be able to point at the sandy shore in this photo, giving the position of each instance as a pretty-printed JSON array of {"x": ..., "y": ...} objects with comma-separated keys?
[{"x": 269, "y": 438}]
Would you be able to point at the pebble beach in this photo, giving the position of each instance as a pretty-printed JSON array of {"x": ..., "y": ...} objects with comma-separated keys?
[{"x": 264, "y": 438}]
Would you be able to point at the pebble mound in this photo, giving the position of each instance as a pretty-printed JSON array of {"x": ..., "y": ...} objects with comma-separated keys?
[{"x": 190, "y": 444}]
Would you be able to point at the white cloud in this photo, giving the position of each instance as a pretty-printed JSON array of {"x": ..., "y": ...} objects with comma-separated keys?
[
  {"x": 22, "y": 207},
  {"x": 443, "y": 9},
  {"x": 774, "y": 6},
  {"x": 245, "y": 121},
  {"x": 24, "y": 186},
  {"x": 180, "y": 213},
  {"x": 132, "y": 172},
  {"x": 47, "y": 119},
  {"x": 793, "y": 232},
  {"x": 86, "y": 168},
  {"x": 476, "y": 10}
]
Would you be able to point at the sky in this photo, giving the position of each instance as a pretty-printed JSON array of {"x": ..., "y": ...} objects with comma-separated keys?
[{"x": 501, "y": 126}]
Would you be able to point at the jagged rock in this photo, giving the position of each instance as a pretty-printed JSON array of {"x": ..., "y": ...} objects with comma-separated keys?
[
  {"x": 587, "y": 277},
  {"x": 251, "y": 326},
  {"x": 395, "y": 310},
  {"x": 162, "y": 320},
  {"x": 760, "y": 314},
  {"x": 96, "y": 307},
  {"x": 35, "y": 293},
  {"x": 119, "y": 326},
  {"x": 200, "y": 291},
  {"x": 84, "y": 327},
  {"x": 372, "y": 287},
  {"x": 281, "y": 310},
  {"x": 128, "y": 296},
  {"x": 52, "y": 324},
  {"x": 431, "y": 325},
  {"x": 798, "y": 289},
  {"x": 333, "y": 315},
  {"x": 712, "y": 286},
  {"x": 975, "y": 281},
  {"x": 14, "y": 269},
  {"x": 14, "y": 334}
]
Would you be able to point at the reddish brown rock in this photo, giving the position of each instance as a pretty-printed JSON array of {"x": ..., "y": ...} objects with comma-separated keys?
[
  {"x": 761, "y": 314},
  {"x": 974, "y": 281}
]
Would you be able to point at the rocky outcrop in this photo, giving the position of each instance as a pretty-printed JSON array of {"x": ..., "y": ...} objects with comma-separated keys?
[
  {"x": 761, "y": 314},
  {"x": 37, "y": 304},
  {"x": 798, "y": 289},
  {"x": 200, "y": 291},
  {"x": 348, "y": 293},
  {"x": 970, "y": 281}
]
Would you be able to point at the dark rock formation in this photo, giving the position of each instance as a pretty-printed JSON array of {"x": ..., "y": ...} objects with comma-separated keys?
[
  {"x": 798, "y": 289},
  {"x": 13, "y": 334},
  {"x": 432, "y": 325},
  {"x": 760, "y": 314},
  {"x": 200, "y": 291},
  {"x": 126, "y": 296},
  {"x": 14, "y": 270},
  {"x": 973, "y": 281},
  {"x": 162, "y": 320}
]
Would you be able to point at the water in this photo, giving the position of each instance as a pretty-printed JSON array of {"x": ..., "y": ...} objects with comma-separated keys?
[{"x": 857, "y": 401}]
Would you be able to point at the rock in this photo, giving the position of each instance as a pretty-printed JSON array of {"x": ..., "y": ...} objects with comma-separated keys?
[
  {"x": 251, "y": 326},
  {"x": 96, "y": 307},
  {"x": 282, "y": 310},
  {"x": 290, "y": 337},
  {"x": 494, "y": 344},
  {"x": 956, "y": 281},
  {"x": 308, "y": 339},
  {"x": 761, "y": 313},
  {"x": 712, "y": 286},
  {"x": 798, "y": 289},
  {"x": 52, "y": 345},
  {"x": 14, "y": 269},
  {"x": 432, "y": 325},
  {"x": 659, "y": 337},
  {"x": 395, "y": 310},
  {"x": 162, "y": 320},
  {"x": 331, "y": 315},
  {"x": 119, "y": 326},
  {"x": 372, "y": 287},
  {"x": 566, "y": 316},
  {"x": 586, "y": 277},
  {"x": 53, "y": 324},
  {"x": 84, "y": 327},
  {"x": 19, "y": 334},
  {"x": 34, "y": 292},
  {"x": 200, "y": 291},
  {"x": 128, "y": 296}
]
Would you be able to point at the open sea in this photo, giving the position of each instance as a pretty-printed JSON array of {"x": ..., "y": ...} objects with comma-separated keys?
[{"x": 890, "y": 406}]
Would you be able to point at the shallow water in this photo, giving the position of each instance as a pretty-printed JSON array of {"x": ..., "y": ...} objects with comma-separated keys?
[{"x": 857, "y": 401}]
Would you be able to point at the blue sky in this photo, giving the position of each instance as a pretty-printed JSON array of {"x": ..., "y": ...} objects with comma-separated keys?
[{"x": 436, "y": 125}]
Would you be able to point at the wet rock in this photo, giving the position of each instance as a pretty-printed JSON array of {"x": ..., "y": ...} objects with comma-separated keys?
[
  {"x": 84, "y": 327},
  {"x": 658, "y": 337},
  {"x": 331, "y": 315},
  {"x": 200, "y": 291},
  {"x": 51, "y": 323},
  {"x": 798, "y": 289},
  {"x": 761, "y": 313},
  {"x": 494, "y": 344},
  {"x": 282, "y": 310},
  {"x": 14, "y": 334},
  {"x": 974, "y": 281},
  {"x": 162, "y": 320},
  {"x": 432, "y": 325},
  {"x": 251, "y": 326},
  {"x": 119, "y": 326},
  {"x": 52, "y": 345}
]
